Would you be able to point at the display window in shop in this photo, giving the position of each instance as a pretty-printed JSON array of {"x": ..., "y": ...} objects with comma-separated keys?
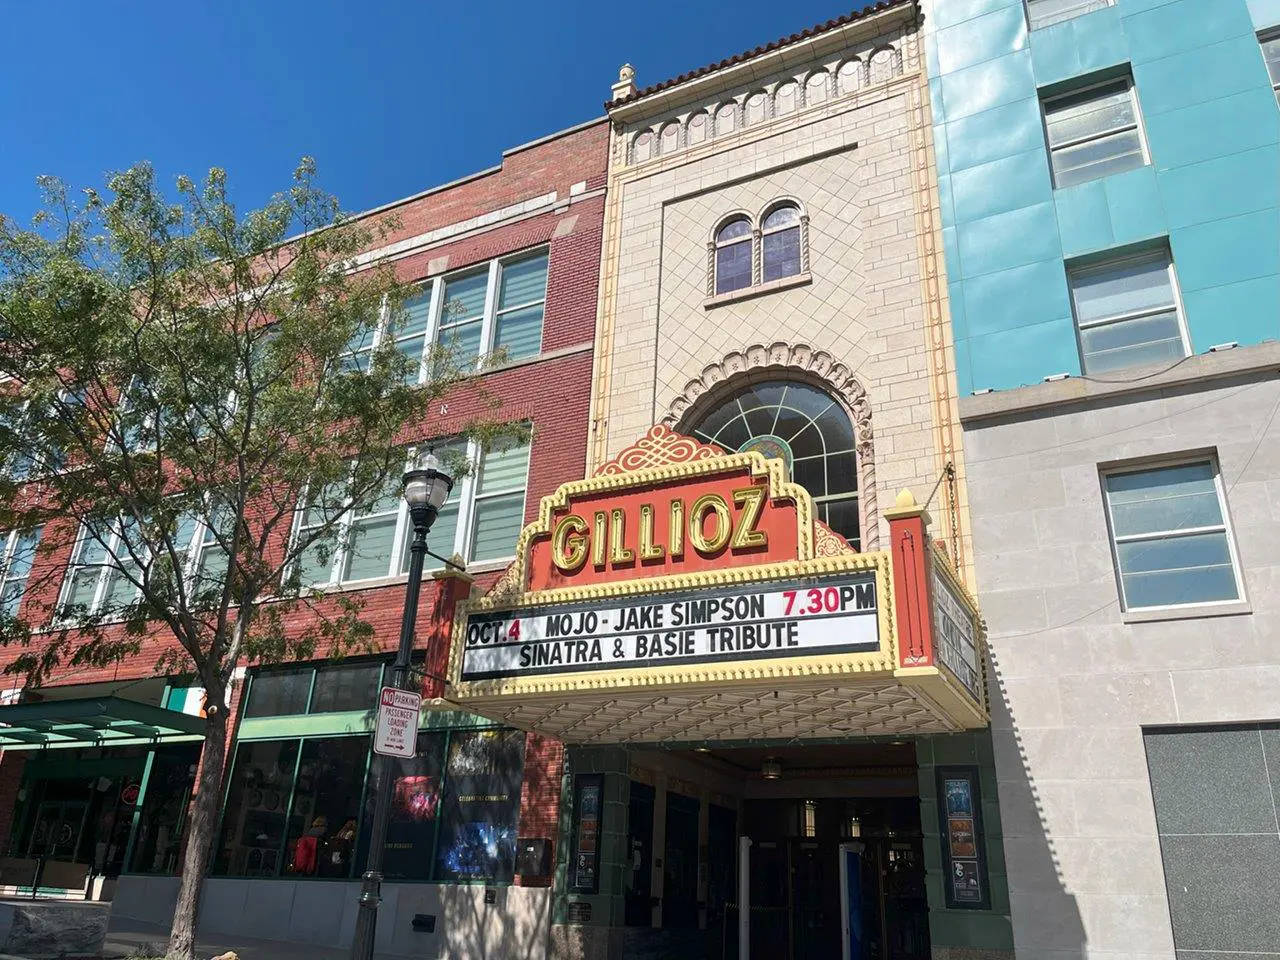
[{"x": 301, "y": 806}]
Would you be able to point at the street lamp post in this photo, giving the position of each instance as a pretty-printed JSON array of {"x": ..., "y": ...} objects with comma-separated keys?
[{"x": 425, "y": 489}]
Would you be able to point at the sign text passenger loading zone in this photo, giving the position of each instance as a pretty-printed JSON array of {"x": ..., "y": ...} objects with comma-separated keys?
[{"x": 789, "y": 619}]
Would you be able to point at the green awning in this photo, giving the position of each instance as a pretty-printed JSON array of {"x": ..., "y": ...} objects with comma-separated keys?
[{"x": 94, "y": 722}]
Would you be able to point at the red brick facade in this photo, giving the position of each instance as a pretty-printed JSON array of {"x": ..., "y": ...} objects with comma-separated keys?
[{"x": 551, "y": 391}]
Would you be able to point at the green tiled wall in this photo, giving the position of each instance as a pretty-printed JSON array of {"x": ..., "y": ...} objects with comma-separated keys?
[
  {"x": 975, "y": 929},
  {"x": 1212, "y": 188}
]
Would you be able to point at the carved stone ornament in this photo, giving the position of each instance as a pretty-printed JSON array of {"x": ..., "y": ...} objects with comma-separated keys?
[{"x": 758, "y": 360}]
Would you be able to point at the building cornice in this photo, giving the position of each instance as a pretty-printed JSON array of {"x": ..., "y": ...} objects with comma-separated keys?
[
  {"x": 736, "y": 72},
  {"x": 1200, "y": 368}
]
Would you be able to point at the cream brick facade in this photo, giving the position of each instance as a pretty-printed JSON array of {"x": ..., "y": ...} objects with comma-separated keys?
[{"x": 839, "y": 124}]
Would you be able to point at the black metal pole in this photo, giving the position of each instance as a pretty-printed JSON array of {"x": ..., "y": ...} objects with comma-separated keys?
[{"x": 371, "y": 886}]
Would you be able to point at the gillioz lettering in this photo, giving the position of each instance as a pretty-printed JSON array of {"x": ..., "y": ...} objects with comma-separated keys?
[{"x": 710, "y": 525}]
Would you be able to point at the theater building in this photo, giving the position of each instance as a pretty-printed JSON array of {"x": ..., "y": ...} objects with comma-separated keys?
[
  {"x": 1111, "y": 226},
  {"x": 764, "y": 666},
  {"x": 98, "y": 764}
]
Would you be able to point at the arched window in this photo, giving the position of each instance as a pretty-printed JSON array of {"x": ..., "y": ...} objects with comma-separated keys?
[
  {"x": 781, "y": 242},
  {"x": 805, "y": 428},
  {"x": 733, "y": 255}
]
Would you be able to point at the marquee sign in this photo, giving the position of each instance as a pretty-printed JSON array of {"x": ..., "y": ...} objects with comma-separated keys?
[
  {"x": 814, "y": 615},
  {"x": 684, "y": 582}
]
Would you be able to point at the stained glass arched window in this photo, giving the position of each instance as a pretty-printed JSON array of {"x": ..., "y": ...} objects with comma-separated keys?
[{"x": 807, "y": 429}]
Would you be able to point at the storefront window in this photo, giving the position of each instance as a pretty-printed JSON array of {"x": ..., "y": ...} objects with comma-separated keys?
[
  {"x": 326, "y": 806},
  {"x": 451, "y": 819},
  {"x": 350, "y": 686},
  {"x": 481, "y": 806},
  {"x": 253, "y": 826},
  {"x": 278, "y": 692},
  {"x": 157, "y": 844},
  {"x": 337, "y": 687},
  {"x": 415, "y": 811}
]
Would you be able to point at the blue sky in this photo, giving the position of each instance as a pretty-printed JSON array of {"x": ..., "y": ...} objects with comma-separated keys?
[{"x": 390, "y": 96}]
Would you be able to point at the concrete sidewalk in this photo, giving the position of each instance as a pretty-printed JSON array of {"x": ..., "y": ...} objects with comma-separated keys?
[{"x": 126, "y": 938}]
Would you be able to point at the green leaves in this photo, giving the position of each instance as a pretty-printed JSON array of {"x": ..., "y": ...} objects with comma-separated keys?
[{"x": 174, "y": 364}]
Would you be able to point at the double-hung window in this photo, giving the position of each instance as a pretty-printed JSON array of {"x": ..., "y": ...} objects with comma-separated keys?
[
  {"x": 1170, "y": 536},
  {"x": 1271, "y": 54},
  {"x": 367, "y": 540},
  {"x": 106, "y": 568},
  {"x": 1095, "y": 132},
  {"x": 1127, "y": 312},
  {"x": 1045, "y": 13},
  {"x": 468, "y": 315},
  {"x": 17, "y": 553}
]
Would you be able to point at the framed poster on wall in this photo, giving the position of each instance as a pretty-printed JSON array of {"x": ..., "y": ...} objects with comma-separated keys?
[
  {"x": 588, "y": 813},
  {"x": 964, "y": 854}
]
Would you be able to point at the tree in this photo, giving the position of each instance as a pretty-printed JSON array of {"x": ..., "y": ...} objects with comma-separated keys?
[{"x": 192, "y": 395}]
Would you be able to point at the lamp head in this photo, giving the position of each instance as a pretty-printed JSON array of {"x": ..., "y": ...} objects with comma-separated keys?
[{"x": 426, "y": 488}]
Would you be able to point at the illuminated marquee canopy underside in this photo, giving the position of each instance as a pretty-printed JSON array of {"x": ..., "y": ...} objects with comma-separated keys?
[{"x": 790, "y": 710}]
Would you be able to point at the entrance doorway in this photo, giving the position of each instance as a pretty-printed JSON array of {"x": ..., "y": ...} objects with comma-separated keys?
[
  {"x": 828, "y": 825},
  {"x": 795, "y": 883}
]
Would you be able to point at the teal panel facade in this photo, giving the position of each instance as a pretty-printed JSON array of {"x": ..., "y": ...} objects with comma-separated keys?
[{"x": 1210, "y": 190}]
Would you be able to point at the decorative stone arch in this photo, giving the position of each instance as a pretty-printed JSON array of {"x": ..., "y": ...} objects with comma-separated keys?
[
  {"x": 852, "y": 75},
  {"x": 787, "y": 97},
  {"x": 735, "y": 111},
  {"x": 799, "y": 362},
  {"x": 696, "y": 131},
  {"x": 644, "y": 145},
  {"x": 817, "y": 87},
  {"x": 755, "y": 107},
  {"x": 670, "y": 137},
  {"x": 884, "y": 64}
]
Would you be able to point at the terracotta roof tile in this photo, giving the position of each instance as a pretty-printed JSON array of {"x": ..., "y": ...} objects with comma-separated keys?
[{"x": 813, "y": 31}]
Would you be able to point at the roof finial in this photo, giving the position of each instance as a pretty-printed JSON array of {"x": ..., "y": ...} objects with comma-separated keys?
[{"x": 626, "y": 85}]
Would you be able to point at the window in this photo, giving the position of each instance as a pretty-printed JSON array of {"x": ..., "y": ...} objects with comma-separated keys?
[
  {"x": 740, "y": 257},
  {"x": 108, "y": 560},
  {"x": 311, "y": 688},
  {"x": 1271, "y": 54},
  {"x": 105, "y": 568},
  {"x": 1044, "y": 13},
  {"x": 480, "y": 521},
  {"x": 807, "y": 430},
  {"x": 1094, "y": 133},
  {"x": 18, "y": 552},
  {"x": 462, "y": 322},
  {"x": 302, "y": 807},
  {"x": 1170, "y": 537},
  {"x": 522, "y": 296},
  {"x": 781, "y": 242},
  {"x": 1127, "y": 312},
  {"x": 481, "y": 806},
  {"x": 733, "y": 256},
  {"x": 478, "y": 311}
]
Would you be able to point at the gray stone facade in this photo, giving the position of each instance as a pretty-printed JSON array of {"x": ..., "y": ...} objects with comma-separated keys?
[{"x": 1075, "y": 679}]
